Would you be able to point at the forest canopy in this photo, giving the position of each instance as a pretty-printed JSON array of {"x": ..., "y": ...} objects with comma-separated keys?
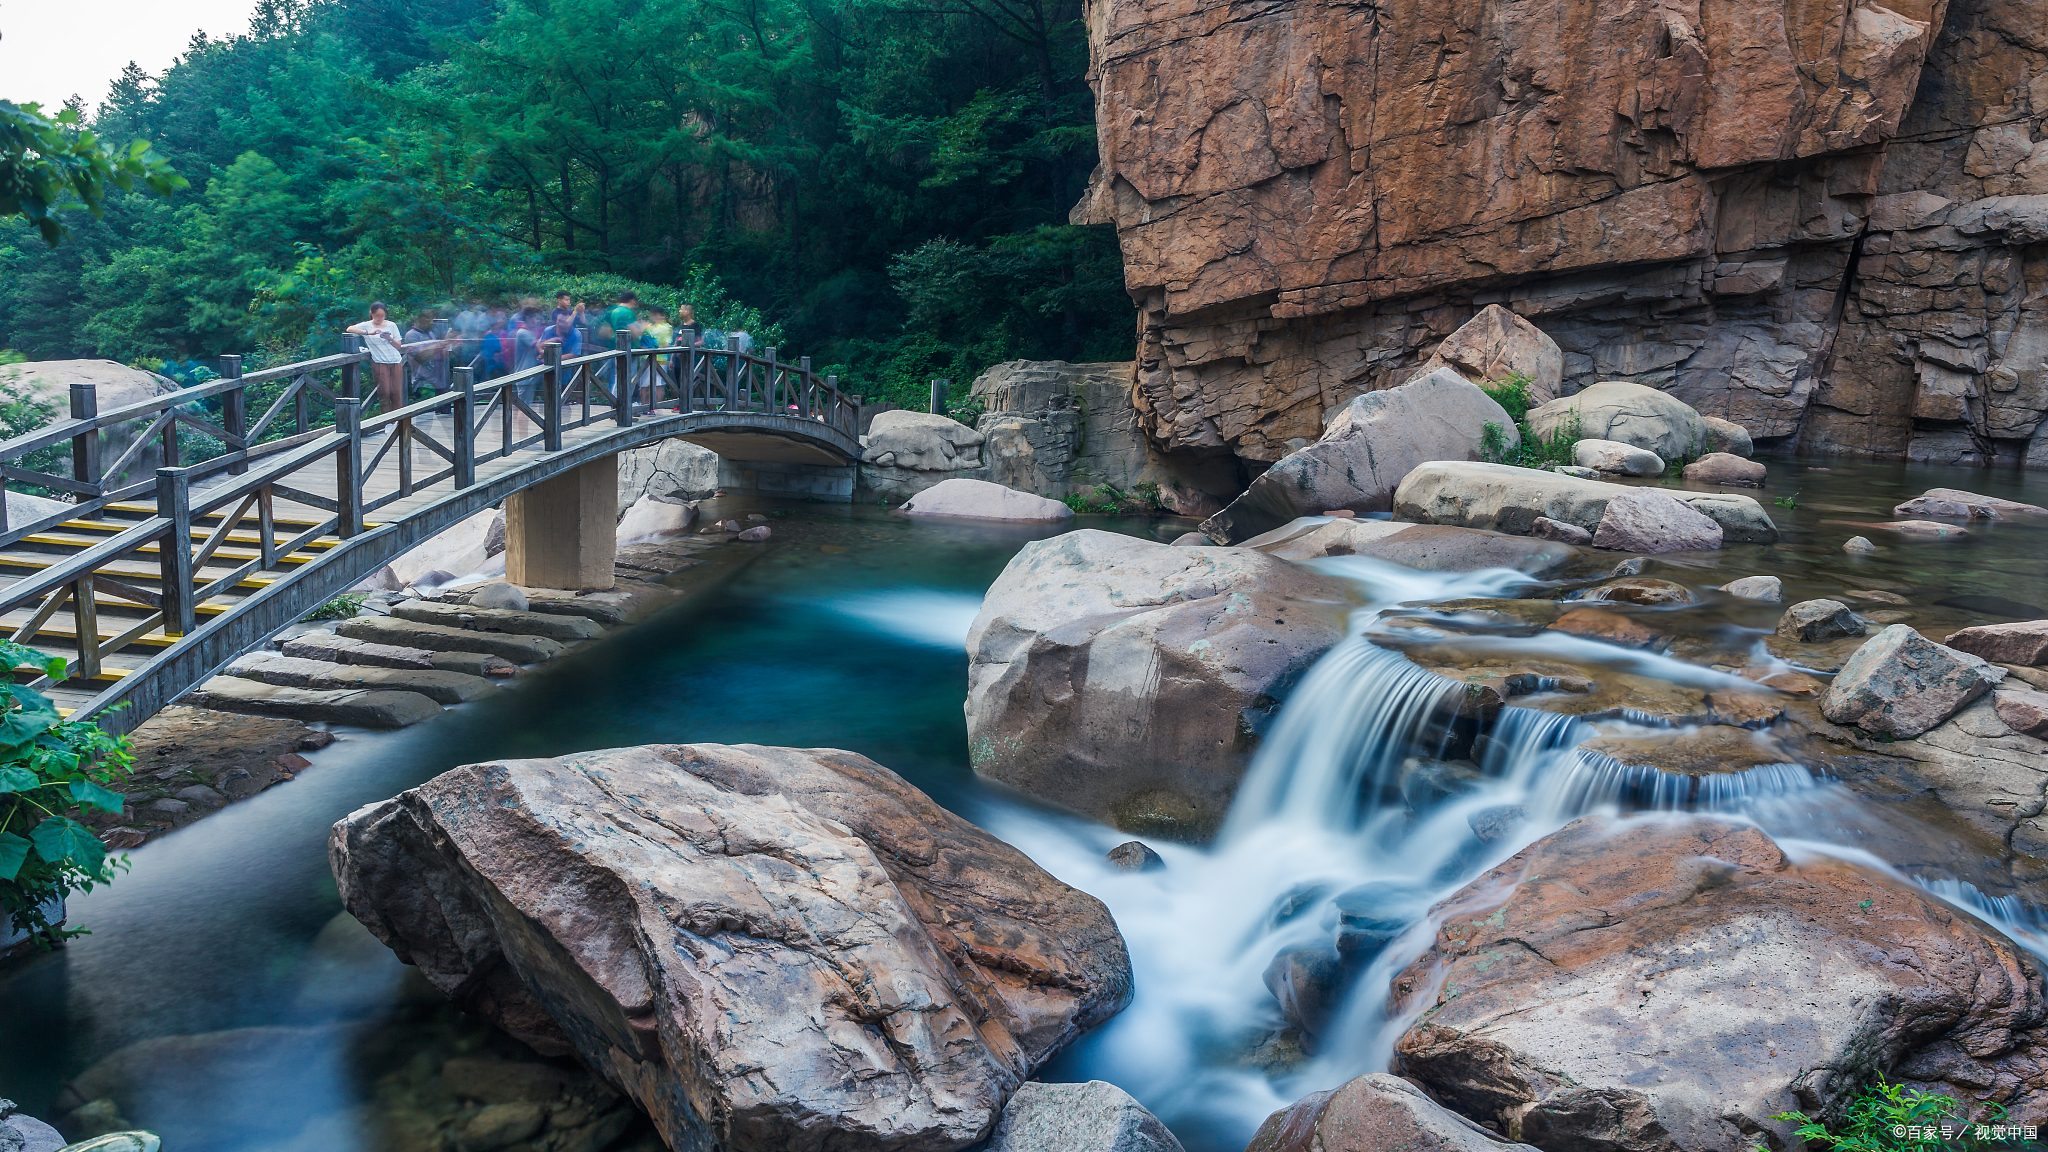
[{"x": 886, "y": 182}]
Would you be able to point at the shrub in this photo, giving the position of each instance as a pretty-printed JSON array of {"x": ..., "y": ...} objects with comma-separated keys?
[
  {"x": 1888, "y": 1117},
  {"x": 1109, "y": 500},
  {"x": 341, "y": 607},
  {"x": 1511, "y": 393},
  {"x": 51, "y": 770}
]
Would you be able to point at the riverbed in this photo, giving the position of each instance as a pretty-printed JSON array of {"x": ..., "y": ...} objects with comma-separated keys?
[{"x": 847, "y": 632}]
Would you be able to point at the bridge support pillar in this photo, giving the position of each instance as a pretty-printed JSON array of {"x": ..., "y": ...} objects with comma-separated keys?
[{"x": 563, "y": 533}]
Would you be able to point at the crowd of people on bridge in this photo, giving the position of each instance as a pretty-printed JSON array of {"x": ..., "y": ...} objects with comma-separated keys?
[{"x": 499, "y": 339}]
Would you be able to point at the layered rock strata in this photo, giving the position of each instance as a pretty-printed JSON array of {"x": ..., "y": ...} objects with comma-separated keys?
[
  {"x": 767, "y": 948},
  {"x": 1823, "y": 222}
]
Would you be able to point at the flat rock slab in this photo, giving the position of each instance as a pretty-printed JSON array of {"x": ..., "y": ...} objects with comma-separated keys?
[
  {"x": 441, "y": 638},
  {"x": 1374, "y": 1113},
  {"x": 2025, "y": 642},
  {"x": 297, "y": 672},
  {"x": 625, "y": 602},
  {"x": 1506, "y": 498},
  {"x": 340, "y": 649},
  {"x": 1428, "y": 547},
  {"x": 981, "y": 500},
  {"x": 1965, "y": 506},
  {"x": 554, "y": 626},
  {"x": 358, "y": 707}
]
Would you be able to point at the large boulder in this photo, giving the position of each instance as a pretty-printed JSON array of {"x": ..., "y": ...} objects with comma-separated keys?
[
  {"x": 1129, "y": 681},
  {"x": 1506, "y": 498},
  {"x": 1496, "y": 344},
  {"x": 1672, "y": 985},
  {"x": 2025, "y": 642},
  {"x": 674, "y": 470},
  {"x": 1727, "y": 436},
  {"x": 1725, "y": 468},
  {"x": 1650, "y": 520},
  {"x": 1374, "y": 1113},
  {"x": 965, "y": 499},
  {"x": 1092, "y": 1117},
  {"x": 1429, "y": 547},
  {"x": 1965, "y": 506},
  {"x": 1372, "y": 443},
  {"x": 766, "y": 948},
  {"x": 1631, "y": 413},
  {"x": 1616, "y": 457},
  {"x": 1900, "y": 684}
]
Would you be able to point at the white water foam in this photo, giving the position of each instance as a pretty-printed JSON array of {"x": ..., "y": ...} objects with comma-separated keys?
[{"x": 935, "y": 619}]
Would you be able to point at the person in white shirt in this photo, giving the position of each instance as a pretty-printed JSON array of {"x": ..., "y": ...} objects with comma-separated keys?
[{"x": 386, "y": 361}]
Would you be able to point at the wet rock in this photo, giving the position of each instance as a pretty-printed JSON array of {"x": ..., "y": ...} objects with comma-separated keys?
[
  {"x": 1506, "y": 498},
  {"x": 675, "y": 470},
  {"x": 1309, "y": 982},
  {"x": 1428, "y": 547},
  {"x": 1114, "y": 675},
  {"x": 118, "y": 1142},
  {"x": 1813, "y": 621},
  {"x": 905, "y": 453},
  {"x": 1630, "y": 413},
  {"x": 2021, "y": 643},
  {"x": 444, "y": 638},
  {"x": 1496, "y": 344},
  {"x": 1616, "y": 457},
  {"x": 1727, "y": 436},
  {"x": 1965, "y": 506},
  {"x": 1279, "y": 1052},
  {"x": 1370, "y": 916},
  {"x": 199, "y": 795},
  {"x": 503, "y": 1081},
  {"x": 1876, "y": 594},
  {"x": 1573, "y": 470},
  {"x": 340, "y": 649},
  {"x": 651, "y": 518},
  {"x": 1725, "y": 468},
  {"x": 1793, "y": 683},
  {"x": 1544, "y": 528},
  {"x": 1646, "y": 520},
  {"x": 1767, "y": 588},
  {"x": 1647, "y": 590},
  {"x": 1091, "y": 1117},
  {"x": 500, "y": 1125},
  {"x": 756, "y": 534},
  {"x": 1595, "y": 624},
  {"x": 1858, "y": 546},
  {"x": 1377, "y": 1112},
  {"x": 2023, "y": 711},
  {"x": 475, "y": 617},
  {"x": 735, "y": 908},
  {"x": 1361, "y": 458},
  {"x": 1925, "y": 529},
  {"x": 362, "y": 709},
  {"x": 290, "y": 671},
  {"x": 1743, "y": 709},
  {"x": 1633, "y": 566},
  {"x": 499, "y": 594},
  {"x": 1900, "y": 684},
  {"x": 980, "y": 500},
  {"x": 1693, "y": 751},
  {"x": 20, "y": 1132},
  {"x": 1192, "y": 540},
  {"x": 1726, "y": 985},
  {"x": 1135, "y": 856}
]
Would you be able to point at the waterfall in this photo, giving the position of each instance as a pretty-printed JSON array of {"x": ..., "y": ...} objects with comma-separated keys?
[{"x": 1369, "y": 800}]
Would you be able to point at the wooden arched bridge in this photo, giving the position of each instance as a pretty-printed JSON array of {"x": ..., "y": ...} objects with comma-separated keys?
[{"x": 149, "y": 586}]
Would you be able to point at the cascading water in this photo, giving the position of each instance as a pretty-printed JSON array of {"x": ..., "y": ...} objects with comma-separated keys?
[{"x": 1369, "y": 801}]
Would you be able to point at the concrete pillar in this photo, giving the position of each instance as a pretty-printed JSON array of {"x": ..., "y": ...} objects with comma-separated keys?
[{"x": 563, "y": 533}]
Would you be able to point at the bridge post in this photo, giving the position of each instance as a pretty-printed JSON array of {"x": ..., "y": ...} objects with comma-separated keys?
[
  {"x": 233, "y": 413},
  {"x": 805, "y": 385},
  {"x": 686, "y": 372},
  {"x": 563, "y": 532},
  {"x": 465, "y": 435},
  {"x": 174, "y": 557},
  {"x": 348, "y": 467},
  {"x": 85, "y": 447},
  {"x": 351, "y": 372},
  {"x": 551, "y": 402}
]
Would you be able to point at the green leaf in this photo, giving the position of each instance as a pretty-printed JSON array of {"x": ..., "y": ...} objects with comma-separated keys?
[
  {"x": 13, "y": 850},
  {"x": 26, "y": 723},
  {"x": 105, "y": 799},
  {"x": 61, "y": 840},
  {"x": 54, "y": 667},
  {"x": 19, "y": 780}
]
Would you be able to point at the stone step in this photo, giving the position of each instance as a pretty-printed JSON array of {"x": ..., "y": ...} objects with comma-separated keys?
[
  {"x": 627, "y": 601},
  {"x": 298, "y": 672},
  {"x": 505, "y": 620},
  {"x": 441, "y": 638},
  {"x": 359, "y": 707},
  {"x": 338, "y": 649}
]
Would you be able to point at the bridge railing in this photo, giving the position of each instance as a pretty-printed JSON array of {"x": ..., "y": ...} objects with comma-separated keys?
[{"x": 471, "y": 424}]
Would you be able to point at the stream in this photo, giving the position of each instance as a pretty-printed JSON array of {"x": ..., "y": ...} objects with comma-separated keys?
[{"x": 847, "y": 632}]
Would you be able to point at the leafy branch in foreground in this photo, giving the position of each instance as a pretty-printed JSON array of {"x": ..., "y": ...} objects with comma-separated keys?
[
  {"x": 46, "y": 160},
  {"x": 51, "y": 771},
  {"x": 1889, "y": 1117}
]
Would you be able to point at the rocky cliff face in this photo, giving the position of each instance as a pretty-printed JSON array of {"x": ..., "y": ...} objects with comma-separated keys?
[{"x": 1827, "y": 222}]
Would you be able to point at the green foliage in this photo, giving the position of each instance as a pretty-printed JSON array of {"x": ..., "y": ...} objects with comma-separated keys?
[
  {"x": 1892, "y": 1118},
  {"x": 1533, "y": 450},
  {"x": 341, "y": 607},
  {"x": 1511, "y": 393},
  {"x": 51, "y": 771},
  {"x": 23, "y": 411},
  {"x": 1109, "y": 500},
  {"x": 1791, "y": 501},
  {"x": 49, "y": 162}
]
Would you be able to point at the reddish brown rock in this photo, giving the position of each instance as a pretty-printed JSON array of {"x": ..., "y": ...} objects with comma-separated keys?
[
  {"x": 2022, "y": 643},
  {"x": 2023, "y": 711},
  {"x": 1595, "y": 624},
  {"x": 1672, "y": 985},
  {"x": 1374, "y": 1113},
  {"x": 766, "y": 948}
]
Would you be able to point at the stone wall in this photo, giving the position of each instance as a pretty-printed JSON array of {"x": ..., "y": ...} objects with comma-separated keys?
[{"x": 1740, "y": 201}]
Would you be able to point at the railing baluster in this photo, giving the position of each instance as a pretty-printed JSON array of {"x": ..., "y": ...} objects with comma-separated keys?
[
  {"x": 772, "y": 401},
  {"x": 808, "y": 384},
  {"x": 403, "y": 430},
  {"x": 622, "y": 404},
  {"x": 551, "y": 401},
  {"x": 85, "y": 447},
  {"x": 174, "y": 558},
  {"x": 348, "y": 466},
  {"x": 465, "y": 433},
  {"x": 85, "y": 621},
  {"x": 266, "y": 526},
  {"x": 234, "y": 418}
]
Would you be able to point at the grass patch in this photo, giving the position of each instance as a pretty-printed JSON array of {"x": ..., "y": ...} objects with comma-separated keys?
[
  {"x": 1532, "y": 451},
  {"x": 1109, "y": 500},
  {"x": 341, "y": 607}
]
